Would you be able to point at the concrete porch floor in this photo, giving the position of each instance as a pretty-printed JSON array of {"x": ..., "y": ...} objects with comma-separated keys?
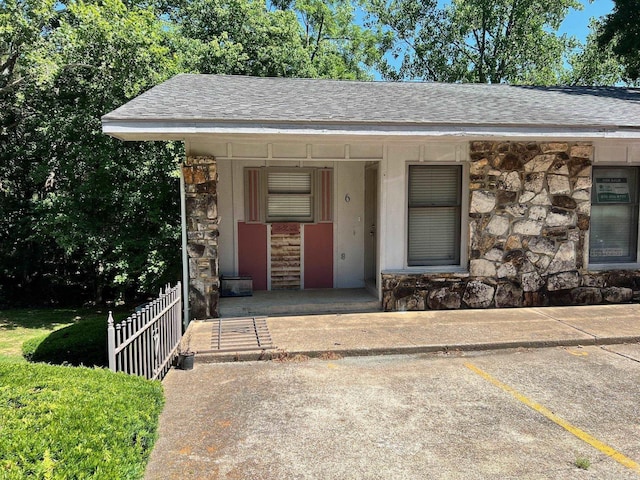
[{"x": 300, "y": 302}]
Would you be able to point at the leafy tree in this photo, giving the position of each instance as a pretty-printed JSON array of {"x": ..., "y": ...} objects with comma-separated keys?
[
  {"x": 302, "y": 38},
  {"x": 23, "y": 27},
  {"x": 593, "y": 64},
  {"x": 488, "y": 41},
  {"x": 239, "y": 37},
  {"x": 95, "y": 213},
  {"x": 112, "y": 207},
  {"x": 337, "y": 46},
  {"x": 621, "y": 32}
]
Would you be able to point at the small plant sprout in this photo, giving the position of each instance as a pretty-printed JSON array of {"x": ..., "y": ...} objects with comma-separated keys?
[{"x": 582, "y": 463}]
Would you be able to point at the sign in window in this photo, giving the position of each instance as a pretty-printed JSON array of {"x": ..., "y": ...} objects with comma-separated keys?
[
  {"x": 612, "y": 190},
  {"x": 613, "y": 237}
]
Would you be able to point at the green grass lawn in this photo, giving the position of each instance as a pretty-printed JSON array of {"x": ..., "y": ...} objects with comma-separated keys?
[
  {"x": 59, "y": 336},
  {"x": 64, "y": 422},
  {"x": 20, "y": 325},
  {"x": 61, "y": 422}
]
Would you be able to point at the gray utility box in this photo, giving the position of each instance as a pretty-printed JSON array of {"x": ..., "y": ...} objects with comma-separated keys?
[{"x": 236, "y": 286}]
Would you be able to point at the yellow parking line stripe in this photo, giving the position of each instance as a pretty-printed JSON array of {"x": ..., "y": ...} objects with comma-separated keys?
[
  {"x": 577, "y": 353},
  {"x": 581, "y": 434}
]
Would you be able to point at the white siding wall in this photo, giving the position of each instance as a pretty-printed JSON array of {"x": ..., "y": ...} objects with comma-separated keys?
[
  {"x": 393, "y": 223},
  {"x": 616, "y": 152},
  {"x": 226, "y": 240},
  {"x": 348, "y": 271}
]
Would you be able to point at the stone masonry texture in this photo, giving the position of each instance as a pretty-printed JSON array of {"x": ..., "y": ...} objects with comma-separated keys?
[
  {"x": 201, "y": 181},
  {"x": 529, "y": 215}
]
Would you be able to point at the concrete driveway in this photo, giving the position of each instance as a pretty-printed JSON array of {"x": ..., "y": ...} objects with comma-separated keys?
[{"x": 514, "y": 414}]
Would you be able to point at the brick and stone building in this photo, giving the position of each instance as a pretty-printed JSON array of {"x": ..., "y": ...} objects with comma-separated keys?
[{"x": 435, "y": 196}]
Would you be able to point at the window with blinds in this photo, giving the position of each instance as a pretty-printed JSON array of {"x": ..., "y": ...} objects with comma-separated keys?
[
  {"x": 282, "y": 194},
  {"x": 289, "y": 195},
  {"x": 613, "y": 235},
  {"x": 434, "y": 215}
]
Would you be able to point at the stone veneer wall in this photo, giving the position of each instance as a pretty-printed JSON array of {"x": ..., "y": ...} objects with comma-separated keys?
[
  {"x": 528, "y": 220},
  {"x": 201, "y": 181}
]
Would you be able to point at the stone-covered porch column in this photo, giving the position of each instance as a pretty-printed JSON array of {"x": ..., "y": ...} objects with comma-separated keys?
[{"x": 201, "y": 181}]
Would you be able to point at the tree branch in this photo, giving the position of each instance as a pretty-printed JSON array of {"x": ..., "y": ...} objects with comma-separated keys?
[
  {"x": 318, "y": 39},
  {"x": 10, "y": 86},
  {"x": 6, "y": 69},
  {"x": 507, "y": 34},
  {"x": 481, "y": 72}
]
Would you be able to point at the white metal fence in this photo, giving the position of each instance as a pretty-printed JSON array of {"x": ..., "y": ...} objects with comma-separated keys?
[{"x": 146, "y": 343}]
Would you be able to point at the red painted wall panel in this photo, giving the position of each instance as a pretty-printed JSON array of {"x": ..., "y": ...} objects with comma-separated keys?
[
  {"x": 318, "y": 255},
  {"x": 252, "y": 253}
]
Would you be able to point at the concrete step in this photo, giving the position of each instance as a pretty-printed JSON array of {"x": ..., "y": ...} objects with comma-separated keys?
[
  {"x": 305, "y": 309},
  {"x": 286, "y": 303}
]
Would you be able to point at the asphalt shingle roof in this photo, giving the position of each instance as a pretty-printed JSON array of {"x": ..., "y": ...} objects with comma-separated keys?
[{"x": 237, "y": 99}]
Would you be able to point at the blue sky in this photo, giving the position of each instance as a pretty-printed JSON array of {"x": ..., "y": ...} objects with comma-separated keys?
[{"x": 577, "y": 22}]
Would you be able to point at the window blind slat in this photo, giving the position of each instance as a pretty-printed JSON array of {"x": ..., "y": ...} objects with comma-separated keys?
[{"x": 289, "y": 195}]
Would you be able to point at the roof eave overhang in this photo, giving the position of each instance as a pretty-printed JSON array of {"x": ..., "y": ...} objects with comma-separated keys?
[{"x": 141, "y": 130}]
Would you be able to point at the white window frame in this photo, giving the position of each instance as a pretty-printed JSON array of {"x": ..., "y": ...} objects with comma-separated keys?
[
  {"x": 613, "y": 265},
  {"x": 462, "y": 266}
]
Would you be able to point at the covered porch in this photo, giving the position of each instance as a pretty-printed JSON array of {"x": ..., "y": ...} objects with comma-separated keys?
[{"x": 297, "y": 218}]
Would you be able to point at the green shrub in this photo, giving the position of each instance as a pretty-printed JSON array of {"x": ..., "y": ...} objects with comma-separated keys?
[
  {"x": 67, "y": 422},
  {"x": 82, "y": 343}
]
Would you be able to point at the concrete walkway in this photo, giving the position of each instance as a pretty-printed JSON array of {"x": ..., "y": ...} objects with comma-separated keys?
[{"x": 417, "y": 332}]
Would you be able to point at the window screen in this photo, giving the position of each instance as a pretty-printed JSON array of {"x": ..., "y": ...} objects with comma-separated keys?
[
  {"x": 613, "y": 237},
  {"x": 434, "y": 215}
]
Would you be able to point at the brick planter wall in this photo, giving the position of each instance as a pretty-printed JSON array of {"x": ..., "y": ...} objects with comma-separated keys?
[
  {"x": 201, "y": 181},
  {"x": 528, "y": 220}
]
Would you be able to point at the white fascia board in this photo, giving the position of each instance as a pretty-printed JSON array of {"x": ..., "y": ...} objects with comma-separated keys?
[{"x": 155, "y": 130}]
